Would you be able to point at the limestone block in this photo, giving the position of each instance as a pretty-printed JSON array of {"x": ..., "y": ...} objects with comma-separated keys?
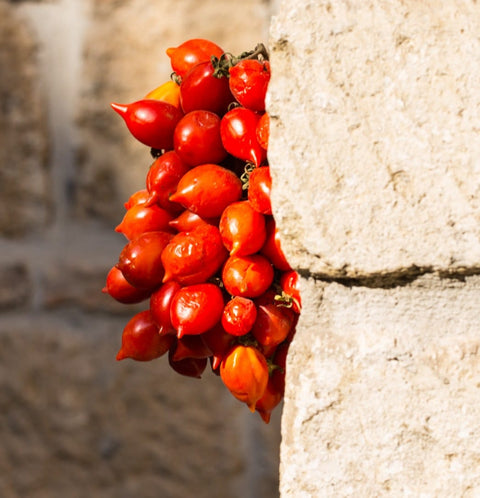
[
  {"x": 382, "y": 393},
  {"x": 375, "y": 135},
  {"x": 25, "y": 201},
  {"x": 124, "y": 59},
  {"x": 76, "y": 423}
]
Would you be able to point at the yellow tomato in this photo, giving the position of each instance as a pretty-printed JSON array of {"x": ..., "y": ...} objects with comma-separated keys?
[{"x": 168, "y": 92}]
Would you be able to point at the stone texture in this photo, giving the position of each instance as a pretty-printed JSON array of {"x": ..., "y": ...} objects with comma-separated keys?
[
  {"x": 124, "y": 59},
  {"x": 25, "y": 196},
  {"x": 15, "y": 286},
  {"x": 76, "y": 423},
  {"x": 382, "y": 392},
  {"x": 375, "y": 115}
]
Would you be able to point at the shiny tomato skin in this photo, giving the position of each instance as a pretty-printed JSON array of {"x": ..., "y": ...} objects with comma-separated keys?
[
  {"x": 196, "y": 309},
  {"x": 219, "y": 342},
  {"x": 162, "y": 180},
  {"x": 239, "y": 315},
  {"x": 271, "y": 398},
  {"x": 197, "y": 138},
  {"x": 290, "y": 284},
  {"x": 141, "y": 340},
  {"x": 272, "y": 325},
  {"x": 272, "y": 248},
  {"x": 201, "y": 90},
  {"x": 141, "y": 219},
  {"x": 190, "y": 346},
  {"x": 151, "y": 122},
  {"x": 263, "y": 130},
  {"x": 190, "y": 53},
  {"x": 244, "y": 371},
  {"x": 167, "y": 92},
  {"x": 138, "y": 198},
  {"x": 247, "y": 276},
  {"x": 160, "y": 304},
  {"x": 140, "y": 260},
  {"x": 187, "y": 221},
  {"x": 123, "y": 292},
  {"x": 238, "y": 132},
  {"x": 193, "y": 257},
  {"x": 190, "y": 367},
  {"x": 249, "y": 82},
  {"x": 207, "y": 190},
  {"x": 259, "y": 190},
  {"x": 242, "y": 229}
]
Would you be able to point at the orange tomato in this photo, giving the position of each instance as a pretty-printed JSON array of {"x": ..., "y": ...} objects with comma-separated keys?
[{"x": 168, "y": 92}]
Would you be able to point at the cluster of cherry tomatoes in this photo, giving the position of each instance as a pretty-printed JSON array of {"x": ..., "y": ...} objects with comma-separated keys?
[{"x": 202, "y": 246}]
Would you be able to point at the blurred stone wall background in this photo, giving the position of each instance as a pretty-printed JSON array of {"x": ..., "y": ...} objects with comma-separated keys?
[{"x": 73, "y": 421}]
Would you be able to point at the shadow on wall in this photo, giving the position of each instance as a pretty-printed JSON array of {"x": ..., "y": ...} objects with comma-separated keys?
[{"x": 74, "y": 421}]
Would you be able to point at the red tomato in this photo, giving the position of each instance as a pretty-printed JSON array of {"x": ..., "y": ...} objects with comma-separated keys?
[
  {"x": 259, "y": 189},
  {"x": 219, "y": 342},
  {"x": 193, "y": 257},
  {"x": 139, "y": 197},
  {"x": 141, "y": 340},
  {"x": 190, "y": 367},
  {"x": 239, "y": 315},
  {"x": 123, "y": 292},
  {"x": 238, "y": 132},
  {"x": 141, "y": 219},
  {"x": 190, "y": 346},
  {"x": 280, "y": 362},
  {"x": 242, "y": 229},
  {"x": 272, "y": 248},
  {"x": 197, "y": 138},
  {"x": 187, "y": 221},
  {"x": 190, "y": 53},
  {"x": 263, "y": 130},
  {"x": 196, "y": 309},
  {"x": 140, "y": 260},
  {"x": 162, "y": 180},
  {"x": 207, "y": 190},
  {"x": 200, "y": 89},
  {"x": 290, "y": 285},
  {"x": 160, "y": 304},
  {"x": 247, "y": 276},
  {"x": 244, "y": 371},
  {"x": 272, "y": 325},
  {"x": 270, "y": 399},
  {"x": 152, "y": 122},
  {"x": 248, "y": 83}
]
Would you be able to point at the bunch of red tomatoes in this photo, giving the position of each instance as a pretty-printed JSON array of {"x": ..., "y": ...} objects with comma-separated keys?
[{"x": 202, "y": 243}]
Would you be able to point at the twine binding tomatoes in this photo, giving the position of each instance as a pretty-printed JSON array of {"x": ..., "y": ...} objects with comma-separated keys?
[{"x": 202, "y": 247}]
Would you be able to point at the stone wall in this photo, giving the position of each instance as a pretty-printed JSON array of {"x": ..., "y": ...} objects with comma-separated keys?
[
  {"x": 73, "y": 422},
  {"x": 375, "y": 152}
]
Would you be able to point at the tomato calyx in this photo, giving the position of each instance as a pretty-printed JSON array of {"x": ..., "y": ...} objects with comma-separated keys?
[
  {"x": 285, "y": 300},
  {"x": 245, "y": 176},
  {"x": 223, "y": 63}
]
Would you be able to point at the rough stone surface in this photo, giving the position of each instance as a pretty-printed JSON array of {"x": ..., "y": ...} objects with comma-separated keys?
[
  {"x": 375, "y": 109},
  {"x": 123, "y": 61},
  {"x": 25, "y": 201},
  {"x": 382, "y": 392}
]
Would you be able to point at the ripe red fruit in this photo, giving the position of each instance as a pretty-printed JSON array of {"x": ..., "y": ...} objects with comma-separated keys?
[
  {"x": 190, "y": 346},
  {"x": 187, "y": 221},
  {"x": 140, "y": 260},
  {"x": 244, "y": 371},
  {"x": 259, "y": 190},
  {"x": 272, "y": 325},
  {"x": 290, "y": 285},
  {"x": 238, "y": 132},
  {"x": 247, "y": 276},
  {"x": 193, "y": 257},
  {"x": 162, "y": 180},
  {"x": 272, "y": 248},
  {"x": 207, "y": 190},
  {"x": 263, "y": 130},
  {"x": 200, "y": 89},
  {"x": 270, "y": 399},
  {"x": 190, "y": 367},
  {"x": 160, "y": 304},
  {"x": 141, "y": 219},
  {"x": 242, "y": 229},
  {"x": 141, "y": 340},
  {"x": 152, "y": 122},
  {"x": 196, "y": 309},
  {"x": 219, "y": 342},
  {"x": 249, "y": 82},
  {"x": 190, "y": 53},
  {"x": 123, "y": 292},
  {"x": 239, "y": 315},
  {"x": 197, "y": 138},
  {"x": 139, "y": 197}
]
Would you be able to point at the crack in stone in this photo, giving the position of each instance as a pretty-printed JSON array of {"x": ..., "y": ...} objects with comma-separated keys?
[{"x": 389, "y": 280}]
